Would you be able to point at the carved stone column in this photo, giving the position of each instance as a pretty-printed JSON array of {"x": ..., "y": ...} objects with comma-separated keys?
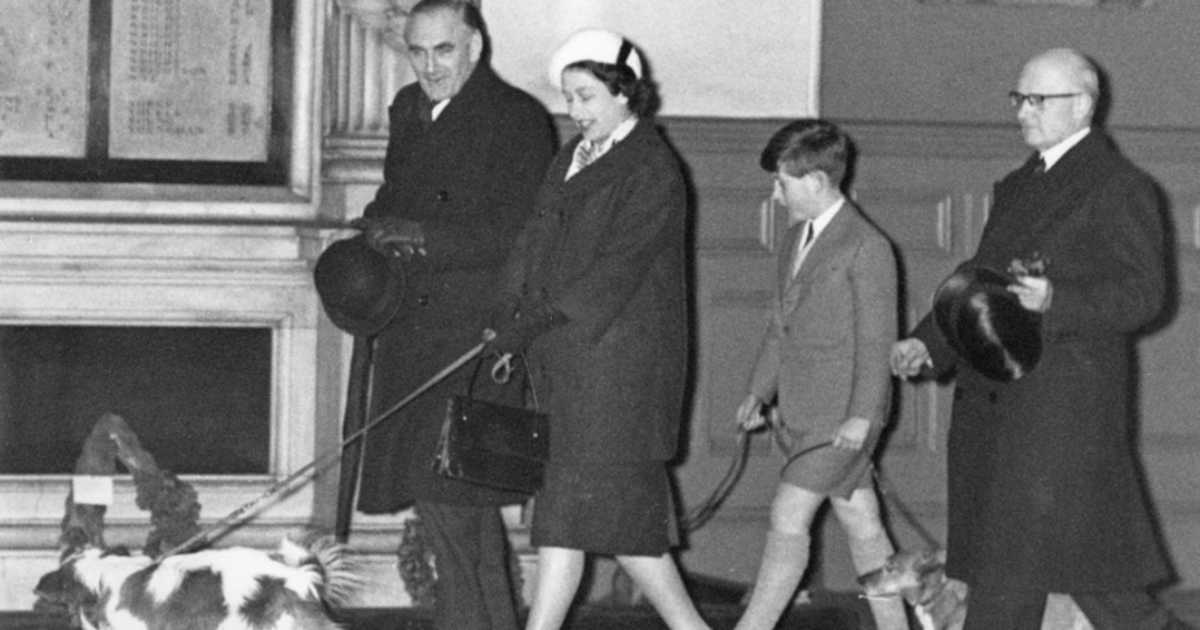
[{"x": 365, "y": 65}]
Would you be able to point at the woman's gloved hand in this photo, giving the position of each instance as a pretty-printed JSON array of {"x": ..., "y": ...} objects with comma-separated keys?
[
  {"x": 516, "y": 333},
  {"x": 501, "y": 315}
]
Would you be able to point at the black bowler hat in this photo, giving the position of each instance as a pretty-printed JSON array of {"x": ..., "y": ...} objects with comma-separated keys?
[
  {"x": 986, "y": 324},
  {"x": 358, "y": 286}
]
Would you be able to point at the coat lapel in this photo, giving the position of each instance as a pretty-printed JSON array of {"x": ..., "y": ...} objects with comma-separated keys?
[
  {"x": 616, "y": 159},
  {"x": 826, "y": 245}
]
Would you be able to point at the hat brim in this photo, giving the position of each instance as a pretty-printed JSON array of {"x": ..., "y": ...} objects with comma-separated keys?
[
  {"x": 986, "y": 324},
  {"x": 360, "y": 289}
]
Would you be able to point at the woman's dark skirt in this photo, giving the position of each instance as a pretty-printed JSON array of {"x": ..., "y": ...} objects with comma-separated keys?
[{"x": 612, "y": 508}]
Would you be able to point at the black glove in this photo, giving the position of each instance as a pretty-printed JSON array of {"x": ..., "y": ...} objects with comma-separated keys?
[
  {"x": 392, "y": 236},
  {"x": 516, "y": 335},
  {"x": 501, "y": 315}
]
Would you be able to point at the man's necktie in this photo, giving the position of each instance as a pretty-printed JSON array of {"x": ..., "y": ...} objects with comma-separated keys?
[
  {"x": 1040, "y": 166},
  {"x": 804, "y": 243},
  {"x": 425, "y": 113}
]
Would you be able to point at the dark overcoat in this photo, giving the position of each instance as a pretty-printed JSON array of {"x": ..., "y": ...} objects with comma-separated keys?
[
  {"x": 1045, "y": 489},
  {"x": 469, "y": 178},
  {"x": 607, "y": 249}
]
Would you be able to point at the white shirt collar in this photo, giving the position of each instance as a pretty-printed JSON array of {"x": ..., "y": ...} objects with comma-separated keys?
[
  {"x": 822, "y": 220},
  {"x": 618, "y": 134},
  {"x": 1055, "y": 153},
  {"x": 595, "y": 150},
  {"x": 438, "y": 108}
]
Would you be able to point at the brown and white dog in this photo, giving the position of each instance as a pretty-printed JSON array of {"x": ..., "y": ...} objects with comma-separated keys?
[
  {"x": 227, "y": 589},
  {"x": 940, "y": 603}
]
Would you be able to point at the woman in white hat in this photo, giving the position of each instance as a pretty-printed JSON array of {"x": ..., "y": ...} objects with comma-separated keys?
[{"x": 595, "y": 295}]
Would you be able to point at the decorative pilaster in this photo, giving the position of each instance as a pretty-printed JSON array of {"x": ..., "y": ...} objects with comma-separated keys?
[{"x": 365, "y": 65}]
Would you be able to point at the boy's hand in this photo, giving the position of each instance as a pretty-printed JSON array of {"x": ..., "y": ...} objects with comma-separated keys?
[
  {"x": 749, "y": 414},
  {"x": 852, "y": 434}
]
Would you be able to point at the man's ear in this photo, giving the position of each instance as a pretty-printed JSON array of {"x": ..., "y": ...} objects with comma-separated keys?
[
  {"x": 1085, "y": 107},
  {"x": 476, "y": 46},
  {"x": 820, "y": 181}
]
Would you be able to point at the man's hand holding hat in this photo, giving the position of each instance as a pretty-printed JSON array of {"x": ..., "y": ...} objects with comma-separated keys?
[
  {"x": 1034, "y": 292},
  {"x": 392, "y": 236}
]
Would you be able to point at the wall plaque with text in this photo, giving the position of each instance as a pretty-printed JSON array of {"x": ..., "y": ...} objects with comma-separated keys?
[
  {"x": 190, "y": 80},
  {"x": 156, "y": 91},
  {"x": 43, "y": 78}
]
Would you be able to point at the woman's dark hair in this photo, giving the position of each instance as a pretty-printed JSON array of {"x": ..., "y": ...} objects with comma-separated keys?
[
  {"x": 620, "y": 80},
  {"x": 807, "y": 145}
]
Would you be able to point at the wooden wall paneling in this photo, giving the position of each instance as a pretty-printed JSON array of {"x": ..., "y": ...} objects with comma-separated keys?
[{"x": 929, "y": 188}]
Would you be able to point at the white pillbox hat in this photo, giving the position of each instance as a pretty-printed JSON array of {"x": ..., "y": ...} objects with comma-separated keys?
[{"x": 594, "y": 44}]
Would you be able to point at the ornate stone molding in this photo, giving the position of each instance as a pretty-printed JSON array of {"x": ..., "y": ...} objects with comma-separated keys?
[{"x": 364, "y": 66}]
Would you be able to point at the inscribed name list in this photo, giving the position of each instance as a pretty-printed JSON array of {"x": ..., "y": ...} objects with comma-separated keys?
[
  {"x": 43, "y": 78},
  {"x": 190, "y": 80}
]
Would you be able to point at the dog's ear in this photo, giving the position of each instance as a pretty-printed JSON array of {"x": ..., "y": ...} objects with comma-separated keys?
[{"x": 52, "y": 586}]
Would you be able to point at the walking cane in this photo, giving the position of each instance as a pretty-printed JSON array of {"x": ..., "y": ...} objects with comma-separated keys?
[
  {"x": 357, "y": 400},
  {"x": 247, "y": 509}
]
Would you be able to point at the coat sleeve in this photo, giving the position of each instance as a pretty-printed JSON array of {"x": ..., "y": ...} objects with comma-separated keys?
[
  {"x": 874, "y": 289},
  {"x": 400, "y": 113},
  {"x": 1129, "y": 288},
  {"x": 764, "y": 377}
]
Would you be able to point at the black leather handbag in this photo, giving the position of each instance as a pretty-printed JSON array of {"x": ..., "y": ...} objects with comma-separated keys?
[{"x": 492, "y": 445}]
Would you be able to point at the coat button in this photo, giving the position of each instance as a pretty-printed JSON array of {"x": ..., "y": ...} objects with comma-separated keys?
[
  {"x": 992, "y": 397},
  {"x": 787, "y": 330},
  {"x": 443, "y": 195},
  {"x": 423, "y": 299}
]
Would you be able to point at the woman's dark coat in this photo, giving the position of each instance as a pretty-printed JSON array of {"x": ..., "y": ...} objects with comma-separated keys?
[
  {"x": 606, "y": 248},
  {"x": 1045, "y": 490},
  {"x": 469, "y": 179}
]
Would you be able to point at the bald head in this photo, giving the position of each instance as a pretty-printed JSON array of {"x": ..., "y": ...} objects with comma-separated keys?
[
  {"x": 1069, "y": 66},
  {"x": 1069, "y": 86}
]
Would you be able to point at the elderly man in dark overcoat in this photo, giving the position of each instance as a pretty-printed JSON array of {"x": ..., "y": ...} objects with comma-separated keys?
[
  {"x": 1045, "y": 491},
  {"x": 463, "y": 162}
]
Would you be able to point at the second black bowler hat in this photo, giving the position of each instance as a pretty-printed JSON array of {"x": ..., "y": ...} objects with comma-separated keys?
[
  {"x": 986, "y": 324},
  {"x": 360, "y": 288}
]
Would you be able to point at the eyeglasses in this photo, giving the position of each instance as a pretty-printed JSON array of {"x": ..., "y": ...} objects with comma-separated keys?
[{"x": 1035, "y": 100}]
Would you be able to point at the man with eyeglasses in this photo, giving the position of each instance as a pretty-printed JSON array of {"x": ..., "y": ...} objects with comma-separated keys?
[{"x": 1045, "y": 493}]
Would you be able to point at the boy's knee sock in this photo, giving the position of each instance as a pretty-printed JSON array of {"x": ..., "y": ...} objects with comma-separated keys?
[
  {"x": 869, "y": 554},
  {"x": 784, "y": 559}
]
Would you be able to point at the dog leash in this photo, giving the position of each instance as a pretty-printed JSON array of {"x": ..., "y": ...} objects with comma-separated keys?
[
  {"x": 222, "y": 526},
  {"x": 893, "y": 499},
  {"x": 702, "y": 513}
]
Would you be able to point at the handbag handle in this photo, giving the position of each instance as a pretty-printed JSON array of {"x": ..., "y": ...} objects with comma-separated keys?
[{"x": 503, "y": 365}]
